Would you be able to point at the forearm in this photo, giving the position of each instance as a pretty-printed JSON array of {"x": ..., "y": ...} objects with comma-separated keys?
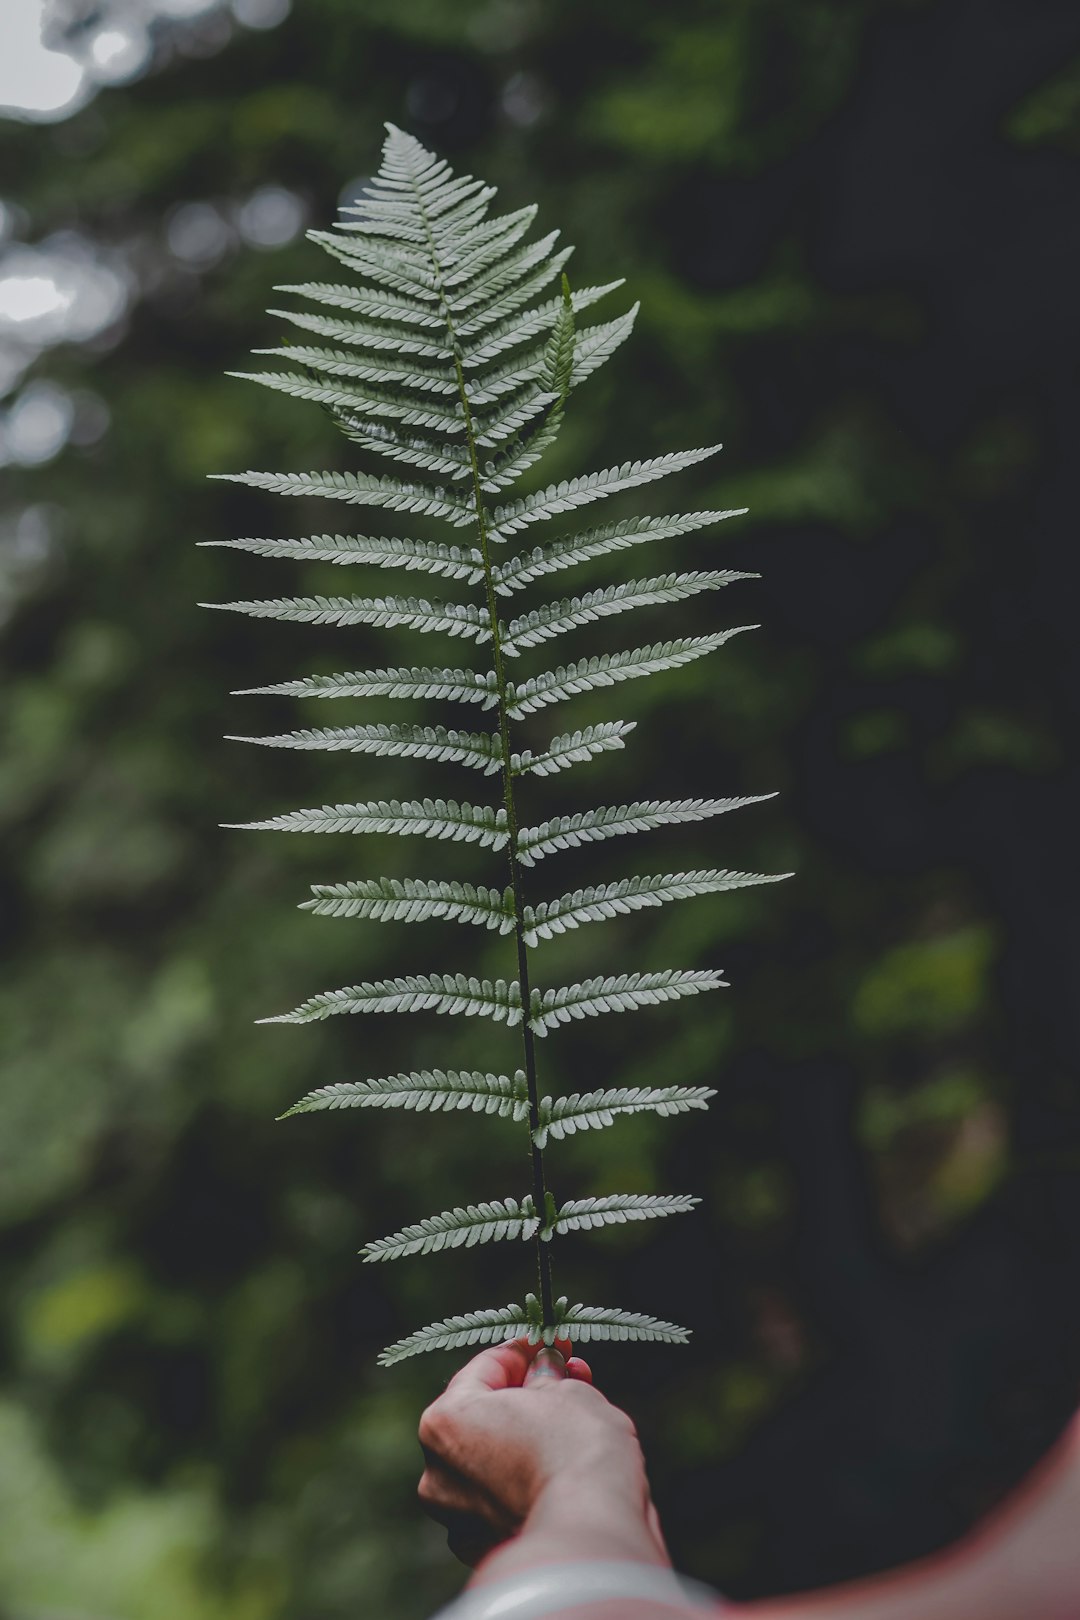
[{"x": 1023, "y": 1561}]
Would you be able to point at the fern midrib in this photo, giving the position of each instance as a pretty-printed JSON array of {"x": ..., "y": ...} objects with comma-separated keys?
[{"x": 543, "y": 1250}]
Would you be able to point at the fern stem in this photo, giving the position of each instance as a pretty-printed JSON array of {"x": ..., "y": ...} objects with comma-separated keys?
[{"x": 543, "y": 1250}]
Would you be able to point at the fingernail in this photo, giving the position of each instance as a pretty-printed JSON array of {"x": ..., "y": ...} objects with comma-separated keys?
[{"x": 547, "y": 1363}]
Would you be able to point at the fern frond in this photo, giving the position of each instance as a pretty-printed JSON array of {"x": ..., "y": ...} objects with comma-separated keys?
[
  {"x": 513, "y": 298},
  {"x": 617, "y": 820},
  {"x": 339, "y": 363},
  {"x": 517, "y": 572},
  {"x": 371, "y": 335},
  {"x": 587, "y": 1324},
  {"x": 594, "y": 1110},
  {"x": 474, "y": 297},
  {"x": 383, "y": 612},
  {"x": 503, "y": 425},
  {"x": 549, "y": 363},
  {"x": 481, "y": 751},
  {"x": 444, "y": 819},
  {"x": 607, "y": 669},
  {"x": 399, "y": 272},
  {"x": 615, "y": 1209},
  {"x": 445, "y": 460},
  {"x": 459, "y": 1228},
  {"x": 509, "y": 269},
  {"x": 625, "y": 992},
  {"x": 574, "y": 492},
  {"x": 512, "y": 379},
  {"x": 397, "y": 407},
  {"x": 485, "y": 244},
  {"x": 427, "y": 1091},
  {"x": 572, "y": 748},
  {"x": 457, "y": 1332},
  {"x": 598, "y": 343},
  {"x": 368, "y": 301},
  {"x": 417, "y": 992},
  {"x": 414, "y": 900},
  {"x": 360, "y": 489},
  {"x": 508, "y": 465},
  {"x": 432, "y": 556},
  {"x": 455, "y": 685},
  {"x": 604, "y": 900},
  {"x": 452, "y": 359},
  {"x": 531, "y": 366},
  {"x": 554, "y": 618},
  {"x": 523, "y": 327}
]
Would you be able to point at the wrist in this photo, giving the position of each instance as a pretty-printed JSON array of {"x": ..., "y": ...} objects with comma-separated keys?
[
  {"x": 582, "y": 1517},
  {"x": 610, "y": 1516}
]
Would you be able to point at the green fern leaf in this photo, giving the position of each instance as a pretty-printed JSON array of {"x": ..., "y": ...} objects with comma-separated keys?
[
  {"x": 569, "y": 680},
  {"x": 594, "y": 1110},
  {"x": 452, "y": 359},
  {"x": 598, "y": 343},
  {"x": 624, "y": 993},
  {"x": 587, "y": 1324},
  {"x": 513, "y": 298},
  {"x": 383, "y": 612},
  {"x": 508, "y": 465},
  {"x": 519, "y": 330},
  {"x": 524, "y": 372},
  {"x": 340, "y": 363},
  {"x": 369, "y": 301},
  {"x": 508, "y": 270},
  {"x": 371, "y": 335},
  {"x": 573, "y": 748},
  {"x": 417, "y": 992},
  {"x": 397, "y": 407},
  {"x": 459, "y": 1228},
  {"x": 482, "y": 245},
  {"x": 445, "y": 461},
  {"x": 517, "y": 572},
  {"x": 481, "y": 751},
  {"x": 360, "y": 489},
  {"x": 453, "y": 562},
  {"x": 604, "y": 900},
  {"x": 554, "y": 618},
  {"x": 496, "y": 428},
  {"x": 455, "y": 685},
  {"x": 458, "y": 1332},
  {"x": 444, "y": 819},
  {"x": 574, "y": 492},
  {"x": 399, "y": 271},
  {"x": 615, "y": 1209},
  {"x": 414, "y": 900},
  {"x": 618, "y": 820},
  {"x": 427, "y": 1091}
]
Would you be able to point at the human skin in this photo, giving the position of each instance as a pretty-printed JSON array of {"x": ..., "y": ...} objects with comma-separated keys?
[{"x": 527, "y": 1464}]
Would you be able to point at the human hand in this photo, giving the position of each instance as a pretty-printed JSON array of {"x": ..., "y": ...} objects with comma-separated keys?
[{"x": 520, "y": 1435}]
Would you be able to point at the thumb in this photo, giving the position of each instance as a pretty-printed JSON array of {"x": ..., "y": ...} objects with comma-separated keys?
[{"x": 547, "y": 1363}]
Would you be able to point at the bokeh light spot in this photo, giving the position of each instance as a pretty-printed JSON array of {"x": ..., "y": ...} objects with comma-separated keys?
[
  {"x": 271, "y": 217},
  {"x": 38, "y": 424},
  {"x": 197, "y": 234}
]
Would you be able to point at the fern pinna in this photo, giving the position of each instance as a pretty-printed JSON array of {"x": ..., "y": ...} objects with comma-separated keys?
[{"x": 446, "y": 353}]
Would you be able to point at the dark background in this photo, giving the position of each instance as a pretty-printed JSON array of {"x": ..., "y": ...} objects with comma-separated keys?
[{"x": 853, "y": 225}]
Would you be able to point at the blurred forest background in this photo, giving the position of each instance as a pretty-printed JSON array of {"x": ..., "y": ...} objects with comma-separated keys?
[{"x": 854, "y": 229}]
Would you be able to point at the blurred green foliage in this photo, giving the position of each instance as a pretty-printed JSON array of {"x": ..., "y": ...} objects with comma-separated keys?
[{"x": 192, "y": 1423}]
